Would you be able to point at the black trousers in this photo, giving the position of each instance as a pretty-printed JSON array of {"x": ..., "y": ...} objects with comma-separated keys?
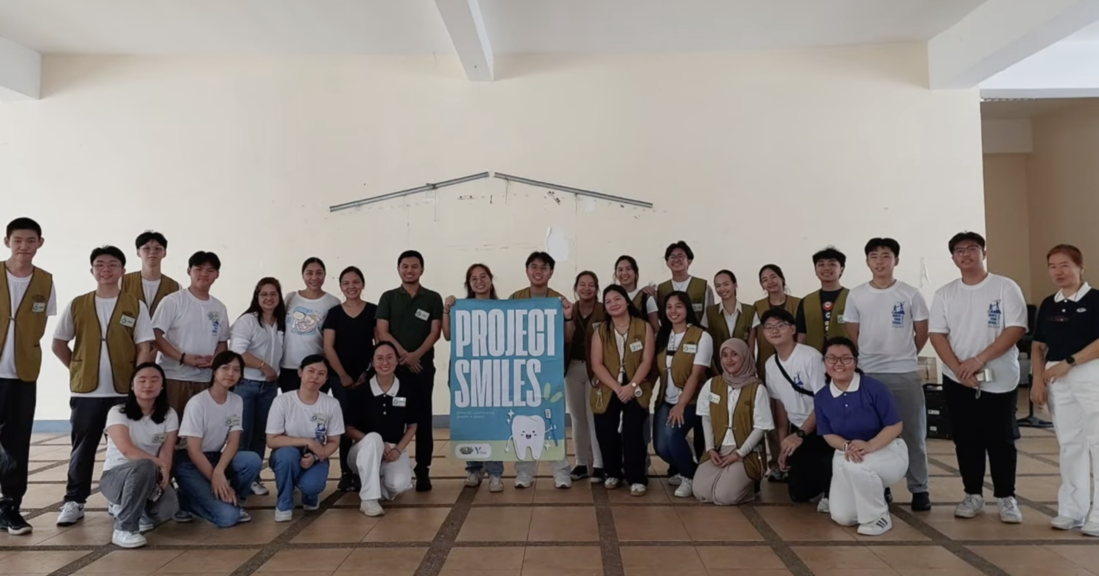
[
  {"x": 343, "y": 396},
  {"x": 810, "y": 468},
  {"x": 17, "y": 402},
  {"x": 88, "y": 417},
  {"x": 424, "y": 385},
  {"x": 981, "y": 425},
  {"x": 625, "y": 452}
]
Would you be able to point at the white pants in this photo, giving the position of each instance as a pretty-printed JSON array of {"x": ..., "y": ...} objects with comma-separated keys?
[
  {"x": 577, "y": 396},
  {"x": 530, "y": 467},
  {"x": 1074, "y": 404},
  {"x": 379, "y": 479},
  {"x": 857, "y": 495}
]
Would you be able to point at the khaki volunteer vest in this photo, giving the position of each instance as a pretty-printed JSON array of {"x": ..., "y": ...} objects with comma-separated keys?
[
  {"x": 814, "y": 319},
  {"x": 602, "y": 395},
  {"x": 696, "y": 291},
  {"x": 30, "y": 321},
  {"x": 743, "y": 423},
  {"x": 581, "y": 337},
  {"x": 719, "y": 330},
  {"x": 765, "y": 348},
  {"x": 131, "y": 284},
  {"x": 682, "y": 363},
  {"x": 84, "y": 368}
]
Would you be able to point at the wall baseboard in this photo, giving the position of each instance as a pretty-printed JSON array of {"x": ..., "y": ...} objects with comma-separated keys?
[{"x": 64, "y": 427}]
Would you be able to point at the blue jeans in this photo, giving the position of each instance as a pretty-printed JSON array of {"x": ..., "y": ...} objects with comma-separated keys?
[
  {"x": 494, "y": 468},
  {"x": 671, "y": 442},
  {"x": 197, "y": 496},
  {"x": 257, "y": 397},
  {"x": 286, "y": 464}
]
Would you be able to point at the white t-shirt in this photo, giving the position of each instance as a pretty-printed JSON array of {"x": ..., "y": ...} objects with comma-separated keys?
[
  {"x": 704, "y": 352},
  {"x": 806, "y": 368},
  {"x": 700, "y": 314},
  {"x": 886, "y": 319},
  {"x": 104, "y": 310},
  {"x": 262, "y": 341},
  {"x": 761, "y": 411},
  {"x": 18, "y": 287},
  {"x": 193, "y": 326},
  {"x": 150, "y": 288},
  {"x": 732, "y": 319},
  {"x": 290, "y": 416},
  {"x": 144, "y": 434},
  {"x": 304, "y": 327},
  {"x": 973, "y": 317},
  {"x": 205, "y": 418},
  {"x": 650, "y": 303}
]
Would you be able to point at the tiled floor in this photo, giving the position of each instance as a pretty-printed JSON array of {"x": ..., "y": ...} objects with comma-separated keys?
[{"x": 584, "y": 531}]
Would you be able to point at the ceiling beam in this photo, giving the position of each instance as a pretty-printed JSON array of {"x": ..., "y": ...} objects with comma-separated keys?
[
  {"x": 1000, "y": 33},
  {"x": 467, "y": 31},
  {"x": 1064, "y": 70},
  {"x": 20, "y": 72}
]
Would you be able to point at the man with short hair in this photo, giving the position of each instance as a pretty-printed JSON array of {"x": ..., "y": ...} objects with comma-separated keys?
[
  {"x": 540, "y": 267},
  {"x": 975, "y": 324},
  {"x": 27, "y": 299},
  {"x": 113, "y": 334},
  {"x": 149, "y": 285},
  {"x": 411, "y": 317},
  {"x": 679, "y": 257},
  {"x": 887, "y": 319},
  {"x": 191, "y": 327},
  {"x": 820, "y": 314}
]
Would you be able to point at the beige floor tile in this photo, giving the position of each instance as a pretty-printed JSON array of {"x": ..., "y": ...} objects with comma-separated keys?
[
  {"x": 408, "y": 525},
  {"x": 384, "y": 560},
  {"x": 677, "y": 559},
  {"x": 37, "y": 562},
  {"x": 337, "y": 526},
  {"x": 460, "y": 559},
  {"x": 821, "y": 558},
  {"x": 1084, "y": 556},
  {"x": 987, "y": 526},
  {"x": 496, "y": 524},
  {"x": 739, "y": 558},
  {"x": 803, "y": 523},
  {"x": 705, "y": 523},
  {"x": 562, "y": 559},
  {"x": 563, "y": 524},
  {"x": 643, "y": 523},
  {"x": 915, "y": 561},
  {"x": 207, "y": 562},
  {"x": 546, "y": 493},
  {"x": 1027, "y": 560},
  {"x": 131, "y": 562},
  {"x": 308, "y": 559}
]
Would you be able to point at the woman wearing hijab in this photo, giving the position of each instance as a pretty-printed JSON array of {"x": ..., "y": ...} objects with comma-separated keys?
[{"x": 736, "y": 415}]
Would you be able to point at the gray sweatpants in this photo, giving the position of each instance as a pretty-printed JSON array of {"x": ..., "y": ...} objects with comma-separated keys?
[
  {"x": 130, "y": 486},
  {"x": 911, "y": 406}
]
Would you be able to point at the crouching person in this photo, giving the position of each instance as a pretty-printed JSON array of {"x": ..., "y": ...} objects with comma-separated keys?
[
  {"x": 381, "y": 421},
  {"x": 141, "y": 439},
  {"x": 214, "y": 476}
]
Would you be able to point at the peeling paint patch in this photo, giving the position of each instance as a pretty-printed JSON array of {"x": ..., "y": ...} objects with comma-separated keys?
[{"x": 557, "y": 244}]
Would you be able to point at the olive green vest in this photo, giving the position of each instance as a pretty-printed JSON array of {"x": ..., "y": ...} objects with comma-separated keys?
[
  {"x": 602, "y": 395},
  {"x": 30, "y": 321},
  {"x": 814, "y": 319},
  {"x": 696, "y": 291},
  {"x": 683, "y": 363},
  {"x": 84, "y": 367},
  {"x": 765, "y": 348},
  {"x": 131, "y": 284},
  {"x": 743, "y": 423},
  {"x": 639, "y": 302},
  {"x": 719, "y": 329},
  {"x": 580, "y": 349}
]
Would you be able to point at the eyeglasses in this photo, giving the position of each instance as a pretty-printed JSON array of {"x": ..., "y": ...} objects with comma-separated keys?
[
  {"x": 107, "y": 266},
  {"x": 538, "y": 267},
  {"x": 776, "y": 326},
  {"x": 963, "y": 250},
  {"x": 841, "y": 360},
  {"x": 677, "y": 257}
]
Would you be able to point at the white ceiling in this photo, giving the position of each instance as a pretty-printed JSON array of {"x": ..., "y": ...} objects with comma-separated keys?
[
  {"x": 514, "y": 26},
  {"x": 1021, "y": 109}
]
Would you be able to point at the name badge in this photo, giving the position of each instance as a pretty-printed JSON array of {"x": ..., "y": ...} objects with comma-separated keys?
[
  {"x": 319, "y": 418},
  {"x": 690, "y": 348},
  {"x": 232, "y": 421},
  {"x": 698, "y": 307},
  {"x": 422, "y": 314},
  {"x": 159, "y": 438},
  {"x": 636, "y": 346},
  {"x": 128, "y": 321},
  {"x": 38, "y": 307},
  {"x": 714, "y": 398},
  {"x": 399, "y": 402}
]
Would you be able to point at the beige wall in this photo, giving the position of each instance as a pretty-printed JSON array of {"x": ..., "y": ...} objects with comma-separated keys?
[
  {"x": 752, "y": 158},
  {"x": 1007, "y": 214}
]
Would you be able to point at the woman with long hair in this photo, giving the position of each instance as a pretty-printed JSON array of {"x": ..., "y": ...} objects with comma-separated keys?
[
  {"x": 214, "y": 475},
  {"x": 730, "y": 318},
  {"x": 350, "y": 330},
  {"x": 588, "y": 312},
  {"x": 622, "y": 350},
  {"x": 773, "y": 281},
  {"x": 258, "y": 337},
  {"x": 141, "y": 441},
  {"x": 306, "y": 310},
  {"x": 626, "y": 273},
  {"x": 736, "y": 414}
]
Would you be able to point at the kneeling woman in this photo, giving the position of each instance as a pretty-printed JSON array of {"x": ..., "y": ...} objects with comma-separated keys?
[
  {"x": 141, "y": 440},
  {"x": 213, "y": 473},
  {"x": 857, "y": 417},
  {"x": 381, "y": 423},
  {"x": 621, "y": 357},
  {"x": 303, "y": 431},
  {"x": 736, "y": 412}
]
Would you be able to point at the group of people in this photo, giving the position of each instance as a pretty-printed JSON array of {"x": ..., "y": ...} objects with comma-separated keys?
[{"x": 821, "y": 392}]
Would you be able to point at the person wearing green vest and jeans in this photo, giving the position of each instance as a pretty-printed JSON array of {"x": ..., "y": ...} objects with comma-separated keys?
[
  {"x": 820, "y": 314},
  {"x": 113, "y": 333},
  {"x": 27, "y": 298}
]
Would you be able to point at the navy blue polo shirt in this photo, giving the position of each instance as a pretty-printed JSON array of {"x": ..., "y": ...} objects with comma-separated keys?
[
  {"x": 387, "y": 413},
  {"x": 1067, "y": 325},
  {"x": 860, "y": 413}
]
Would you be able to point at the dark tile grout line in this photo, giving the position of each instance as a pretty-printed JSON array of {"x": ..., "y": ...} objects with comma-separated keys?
[
  {"x": 610, "y": 552},
  {"x": 283, "y": 539},
  {"x": 1027, "y": 501},
  {"x": 781, "y": 548},
  {"x": 46, "y": 441},
  {"x": 954, "y": 547},
  {"x": 82, "y": 562},
  {"x": 432, "y": 562}
]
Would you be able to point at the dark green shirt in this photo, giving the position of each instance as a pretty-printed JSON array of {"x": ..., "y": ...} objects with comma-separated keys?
[{"x": 410, "y": 317}]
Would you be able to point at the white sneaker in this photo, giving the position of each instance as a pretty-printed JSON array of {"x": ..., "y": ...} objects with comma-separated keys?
[
  {"x": 1009, "y": 511},
  {"x": 611, "y": 483},
  {"x": 523, "y": 480},
  {"x": 245, "y": 517},
  {"x": 823, "y": 506},
  {"x": 971, "y": 506},
  {"x": 146, "y": 524},
  {"x": 259, "y": 489},
  {"x": 638, "y": 489},
  {"x": 675, "y": 480},
  {"x": 473, "y": 479},
  {"x": 124, "y": 539},
  {"x": 71, "y": 513},
  {"x": 495, "y": 484},
  {"x": 371, "y": 508},
  {"x": 1091, "y": 529},
  {"x": 686, "y": 489},
  {"x": 877, "y": 527},
  {"x": 283, "y": 515},
  {"x": 562, "y": 480},
  {"x": 1066, "y": 523}
]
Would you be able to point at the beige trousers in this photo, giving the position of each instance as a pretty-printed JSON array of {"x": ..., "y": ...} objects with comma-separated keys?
[{"x": 726, "y": 486}]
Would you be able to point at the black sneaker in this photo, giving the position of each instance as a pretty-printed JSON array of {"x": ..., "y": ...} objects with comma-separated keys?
[
  {"x": 598, "y": 476},
  {"x": 921, "y": 502},
  {"x": 579, "y": 473},
  {"x": 423, "y": 483},
  {"x": 888, "y": 495},
  {"x": 12, "y": 521},
  {"x": 347, "y": 483}
]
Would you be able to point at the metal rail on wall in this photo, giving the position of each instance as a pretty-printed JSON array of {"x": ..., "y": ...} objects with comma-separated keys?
[
  {"x": 425, "y": 188},
  {"x": 571, "y": 190}
]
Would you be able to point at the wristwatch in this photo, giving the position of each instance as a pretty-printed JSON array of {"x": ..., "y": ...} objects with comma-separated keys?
[
  {"x": 799, "y": 433},
  {"x": 1071, "y": 360}
]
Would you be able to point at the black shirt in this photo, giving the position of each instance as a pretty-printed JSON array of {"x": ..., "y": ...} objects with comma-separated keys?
[
  {"x": 827, "y": 303},
  {"x": 388, "y": 414},
  {"x": 354, "y": 337},
  {"x": 1067, "y": 327}
]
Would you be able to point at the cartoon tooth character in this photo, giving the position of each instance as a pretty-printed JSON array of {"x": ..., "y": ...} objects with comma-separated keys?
[{"x": 528, "y": 432}]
